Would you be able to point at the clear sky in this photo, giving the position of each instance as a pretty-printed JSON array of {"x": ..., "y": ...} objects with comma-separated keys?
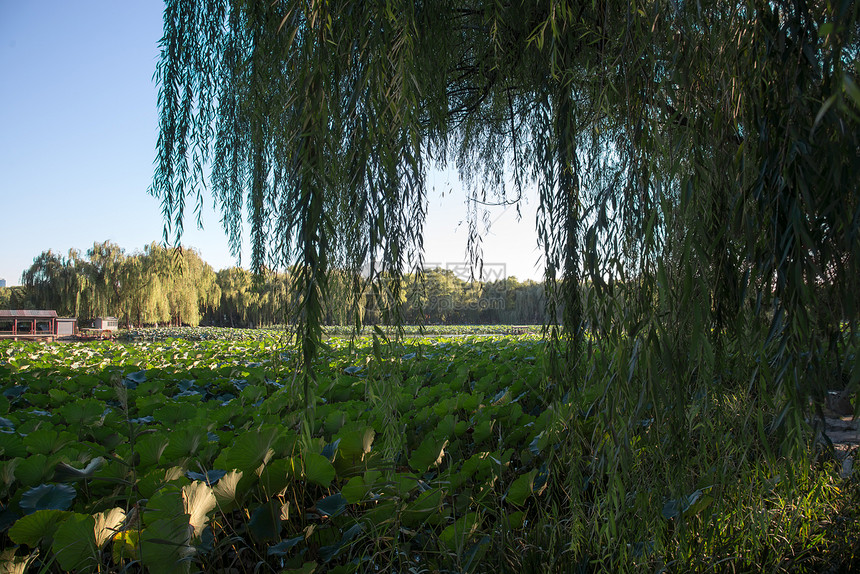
[{"x": 78, "y": 129}]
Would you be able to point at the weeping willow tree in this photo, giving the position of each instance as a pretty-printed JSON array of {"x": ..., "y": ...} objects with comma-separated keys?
[
  {"x": 700, "y": 156},
  {"x": 696, "y": 166}
]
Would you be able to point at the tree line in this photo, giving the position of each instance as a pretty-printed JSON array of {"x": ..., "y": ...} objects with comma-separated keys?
[{"x": 174, "y": 286}]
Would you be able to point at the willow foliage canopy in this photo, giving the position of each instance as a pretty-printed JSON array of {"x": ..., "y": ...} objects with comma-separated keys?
[{"x": 696, "y": 163}]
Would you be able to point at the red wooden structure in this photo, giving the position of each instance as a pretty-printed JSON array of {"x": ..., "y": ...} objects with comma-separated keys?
[{"x": 28, "y": 324}]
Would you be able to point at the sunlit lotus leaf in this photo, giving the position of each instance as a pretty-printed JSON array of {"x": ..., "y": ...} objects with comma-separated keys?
[
  {"x": 199, "y": 502},
  {"x": 38, "y": 526},
  {"x": 175, "y": 413},
  {"x": 226, "y": 491},
  {"x": 107, "y": 524},
  {"x": 12, "y": 564},
  {"x": 58, "y": 396},
  {"x": 46, "y": 497}
]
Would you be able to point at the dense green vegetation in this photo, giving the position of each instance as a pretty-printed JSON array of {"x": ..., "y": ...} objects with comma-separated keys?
[
  {"x": 167, "y": 286},
  {"x": 697, "y": 179},
  {"x": 179, "y": 455}
]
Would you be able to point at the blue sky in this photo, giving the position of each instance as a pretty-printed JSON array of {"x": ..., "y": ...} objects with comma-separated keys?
[{"x": 78, "y": 129}]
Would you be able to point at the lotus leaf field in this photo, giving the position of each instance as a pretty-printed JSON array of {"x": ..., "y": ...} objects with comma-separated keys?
[{"x": 181, "y": 455}]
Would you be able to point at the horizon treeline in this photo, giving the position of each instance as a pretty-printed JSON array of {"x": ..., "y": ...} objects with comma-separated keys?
[{"x": 174, "y": 286}]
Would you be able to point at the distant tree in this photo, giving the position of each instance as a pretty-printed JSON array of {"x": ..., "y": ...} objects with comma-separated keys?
[
  {"x": 54, "y": 282},
  {"x": 101, "y": 291}
]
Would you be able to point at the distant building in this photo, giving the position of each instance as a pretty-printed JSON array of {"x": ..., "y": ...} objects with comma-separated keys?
[{"x": 2, "y": 282}]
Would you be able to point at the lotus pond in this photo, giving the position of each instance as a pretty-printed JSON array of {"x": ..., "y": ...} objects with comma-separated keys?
[{"x": 435, "y": 455}]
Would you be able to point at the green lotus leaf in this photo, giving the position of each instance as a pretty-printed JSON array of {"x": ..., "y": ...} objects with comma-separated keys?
[
  {"x": 333, "y": 505},
  {"x": 184, "y": 442},
  {"x": 165, "y": 546},
  {"x": 47, "y": 497},
  {"x": 318, "y": 469},
  {"x": 150, "y": 448},
  {"x": 355, "y": 442},
  {"x": 74, "y": 545},
  {"x": 168, "y": 504},
  {"x": 515, "y": 520},
  {"x": 307, "y": 568},
  {"x": 423, "y": 508},
  {"x": 32, "y": 529},
  {"x": 210, "y": 477},
  {"x": 458, "y": 534},
  {"x": 355, "y": 490},
  {"x": 58, "y": 396},
  {"x": 265, "y": 523},
  {"x": 380, "y": 514},
  {"x": 66, "y": 473},
  {"x": 327, "y": 553},
  {"x": 521, "y": 488},
  {"x": 334, "y": 421},
  {"x": 156, "y": 479},
  {"x": 81, "y": 413},
  {"x": 251, "y": 450},
  {"x": 283, "y": 547},
  {"x": 136, "y": 378},
  {"x": 277, "y": 475},
  {"x": 126, "y": 544},
  {"x": 174, "y": 414},
  {"x": 483, "y": 430},
  {"x": 12, "y": 446},
  {"x": 428, "y": 454}
]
